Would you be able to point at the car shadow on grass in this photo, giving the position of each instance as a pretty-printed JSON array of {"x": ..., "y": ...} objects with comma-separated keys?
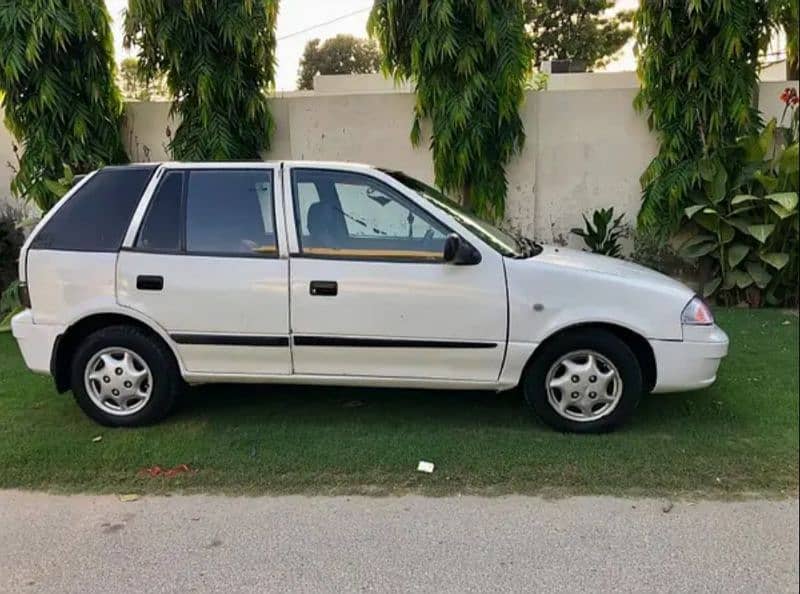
[{"x": 238, "y": 404}]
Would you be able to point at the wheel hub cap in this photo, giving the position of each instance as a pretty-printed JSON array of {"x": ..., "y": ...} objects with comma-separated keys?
[
  {"x": 118, "y": 381},
  {"x": 583, "y": 386}
]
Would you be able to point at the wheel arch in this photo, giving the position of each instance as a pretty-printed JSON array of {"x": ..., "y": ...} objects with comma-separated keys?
[
  {"x": 638, "y": 344},
  {"x": 68, "y": 341}
]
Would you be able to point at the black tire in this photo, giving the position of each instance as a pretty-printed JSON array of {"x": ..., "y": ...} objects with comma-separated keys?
[
  {"x": 606, "y": 344},
  {"x": 167, "y": 380}
]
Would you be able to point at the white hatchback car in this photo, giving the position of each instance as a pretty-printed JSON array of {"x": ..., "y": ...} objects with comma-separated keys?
[{"x": 328, "y": 273}]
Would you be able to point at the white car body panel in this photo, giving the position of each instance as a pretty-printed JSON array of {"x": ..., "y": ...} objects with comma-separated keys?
[
  {"x": 402, "y": 301},
  {"x": 213, "y": 295},
  {"x": 562, "y": 287},
  {"x": 69, "y": 284},
  {"x": 513, "y": 304}
]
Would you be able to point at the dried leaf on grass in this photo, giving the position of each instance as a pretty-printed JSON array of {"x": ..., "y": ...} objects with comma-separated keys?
[{"x": 156, "y": 471}]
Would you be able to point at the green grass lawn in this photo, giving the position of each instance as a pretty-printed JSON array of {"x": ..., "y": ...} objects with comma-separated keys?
[{"x": 738, "y": 437}]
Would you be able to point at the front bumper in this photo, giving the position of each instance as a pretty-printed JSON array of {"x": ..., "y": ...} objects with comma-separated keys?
[
  {"x": 691, "y": 363},
  {"x": 35, "y": 340}
]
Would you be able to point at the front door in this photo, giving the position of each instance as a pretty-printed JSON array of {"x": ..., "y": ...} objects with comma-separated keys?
[
  {"x": 205, "y": 266},
  {"x": 371, "y": 294}
]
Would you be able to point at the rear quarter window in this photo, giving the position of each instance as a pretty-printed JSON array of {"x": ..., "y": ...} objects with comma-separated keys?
[{"x": 96, "y": 217}]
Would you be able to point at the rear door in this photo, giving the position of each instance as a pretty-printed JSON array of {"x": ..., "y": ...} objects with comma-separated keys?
[
  {"x": 206, "y": 264},
  {"x": 370, "y": 292}
]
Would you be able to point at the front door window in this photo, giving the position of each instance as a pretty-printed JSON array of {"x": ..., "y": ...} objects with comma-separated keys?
[{"x": 351, "y": 215}]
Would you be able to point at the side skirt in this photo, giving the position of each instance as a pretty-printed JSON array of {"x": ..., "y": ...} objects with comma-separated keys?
[{"x": 345, "y": 380}]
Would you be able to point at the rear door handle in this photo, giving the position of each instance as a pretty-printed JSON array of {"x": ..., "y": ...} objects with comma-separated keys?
[
  {"x": 149, "y": 283},
  {"x": 329, "y": 288}
]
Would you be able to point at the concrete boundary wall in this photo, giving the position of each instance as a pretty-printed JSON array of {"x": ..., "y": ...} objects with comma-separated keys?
[{"x": 585, "y": 148}]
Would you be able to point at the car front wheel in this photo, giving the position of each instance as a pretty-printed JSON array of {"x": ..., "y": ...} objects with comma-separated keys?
[
  {"x": 584, "y": 381},
  {"x": 122, "y": 376}
]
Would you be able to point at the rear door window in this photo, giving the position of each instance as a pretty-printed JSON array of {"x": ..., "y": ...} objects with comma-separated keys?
[
  {"x": 162, "y": 223},
  {"x": 97, "y": 216},
  {"x": 230, "y": 212}
]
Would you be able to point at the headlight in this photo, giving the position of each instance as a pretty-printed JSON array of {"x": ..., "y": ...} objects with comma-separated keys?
[{"x": 697, "y": 313}]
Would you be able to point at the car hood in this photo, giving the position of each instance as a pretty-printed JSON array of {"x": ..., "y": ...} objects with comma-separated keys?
[{"x": 587, "y": 261}]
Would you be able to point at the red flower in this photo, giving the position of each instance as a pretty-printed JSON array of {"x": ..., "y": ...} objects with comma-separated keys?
[{"x": 789, "y": 96}]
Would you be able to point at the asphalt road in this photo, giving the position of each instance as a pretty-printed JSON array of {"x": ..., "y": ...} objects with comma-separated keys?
[{"x": 409, "y": 544}]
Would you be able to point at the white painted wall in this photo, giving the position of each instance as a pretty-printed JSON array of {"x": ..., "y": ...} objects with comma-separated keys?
[{"x": 585, "y": 148}]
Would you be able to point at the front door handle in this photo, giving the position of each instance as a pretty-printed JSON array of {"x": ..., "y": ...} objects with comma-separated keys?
[
  {"x": 322, "y": 288},
  {"x": 147, "y": 282}
]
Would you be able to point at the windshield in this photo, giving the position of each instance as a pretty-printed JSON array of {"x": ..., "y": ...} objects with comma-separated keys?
[{"x": 503, "y": 242}]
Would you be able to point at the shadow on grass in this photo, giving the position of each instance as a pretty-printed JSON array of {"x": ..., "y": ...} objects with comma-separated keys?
[{"x": 240, "y": 405}]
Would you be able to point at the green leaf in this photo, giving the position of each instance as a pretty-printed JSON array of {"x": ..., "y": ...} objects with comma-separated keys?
[
  {"x": 693, "y": 210},
  {"x": 788, "y": 200},
  {"x": 55, "y": 187},
  {"x": 736, "y": 253},
  {"x": 743, "y": 198},
  {"x": 740, "y": 278},
  {"x": 790, "y": 160},
  {"x": 775, "y": 259},
  {"x": 711, "y": 286},
  {"x": 707, "y": 221},
  {"x": 740, "y": 223},
  {"x": 728, "y": 282},
  {"x": 767, "y": 137},
  {"x": 780, "y": 211},
  {"x": 761, "y": 232},
  {"x": 742, "y": 209},
  {"x": 726, "y": 232},
  {"x": 769, "y": 182},
  {"x": 759, "y": 274},
  {"x": 698, "y": 250},
  {"x": 752, "y": 148},
  {"x": 707, "y": 169},
  {"x": 719, "y": 186}
]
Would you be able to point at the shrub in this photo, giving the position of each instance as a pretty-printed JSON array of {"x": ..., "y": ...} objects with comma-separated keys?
[
  {"x": 11, "y": 240},
  {"x": 743, "y": 225},
  {"x": 603, "y": 233},
  {"x": 651, "y": 251}
]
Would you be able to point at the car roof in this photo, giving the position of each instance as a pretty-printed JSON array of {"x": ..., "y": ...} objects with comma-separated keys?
[{"x": 229, "y": 164}]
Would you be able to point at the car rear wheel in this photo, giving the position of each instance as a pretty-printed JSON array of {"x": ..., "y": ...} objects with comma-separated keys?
[
  {"x": 584, "y": 381},
  {"x": 124, "y": 377}
]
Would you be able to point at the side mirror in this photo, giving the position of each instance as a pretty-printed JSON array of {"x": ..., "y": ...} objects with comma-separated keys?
[{"x": 459, "y": 252}]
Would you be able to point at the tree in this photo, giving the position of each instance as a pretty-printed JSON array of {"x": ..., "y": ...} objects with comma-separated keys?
[
  {"x": 469, "y": 62},
  {"x": 578, "y": 30},
  {"x": 698, "y": 67},
  {"x": 135, "y": 86},
  {"x": 343, "y": 54},
  {"x": 218, "y": 57},
  {"x": 786, "y": 14},
  {"x": 59, "y": 96}
]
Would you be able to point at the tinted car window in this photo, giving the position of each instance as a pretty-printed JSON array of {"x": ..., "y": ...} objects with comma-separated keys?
[
  {"x": 342, "y": 214},
  {"x": 97, "y": 216},
  {"x": 230, "y": 212},
  {"x": 161, "y": 227}
]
